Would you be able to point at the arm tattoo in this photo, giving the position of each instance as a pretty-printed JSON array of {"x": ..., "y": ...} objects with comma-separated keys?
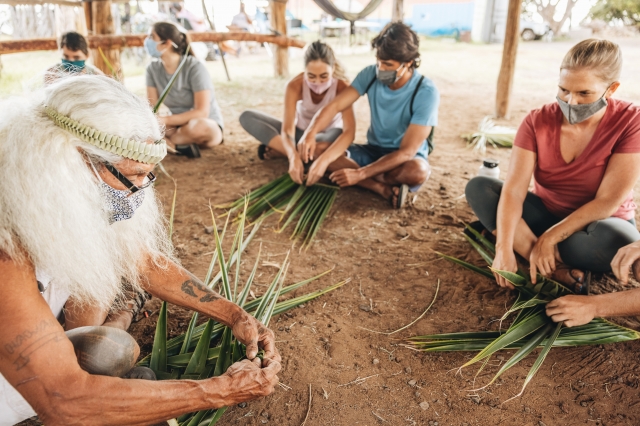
[
  {"x": 193, "y": 287},
  {"x": 13, "y": 345},
  {"x": 23, "y": 359},
  {"x": 564, "y": 236}
]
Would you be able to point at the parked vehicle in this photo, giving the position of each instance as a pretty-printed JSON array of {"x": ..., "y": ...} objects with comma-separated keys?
[{"x": 530, "y": 30}]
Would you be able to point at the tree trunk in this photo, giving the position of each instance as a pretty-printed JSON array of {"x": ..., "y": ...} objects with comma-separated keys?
[
  {"x": 548, "y": 12},
  {"x": 279, "y": 23},
  {"x": 509, "y": 52},
  {"x": 398, "y": 10},
  {"x": 103, "y": 24}
]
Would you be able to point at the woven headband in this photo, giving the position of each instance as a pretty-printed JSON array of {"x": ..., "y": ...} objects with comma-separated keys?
[{"x": 150, "y": 153}]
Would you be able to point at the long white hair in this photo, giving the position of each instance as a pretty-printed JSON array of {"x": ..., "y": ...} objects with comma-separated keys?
[{"x": 51, "y": 210}]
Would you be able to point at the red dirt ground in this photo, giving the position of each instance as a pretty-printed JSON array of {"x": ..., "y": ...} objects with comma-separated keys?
[{"x": 389, "y": 255}]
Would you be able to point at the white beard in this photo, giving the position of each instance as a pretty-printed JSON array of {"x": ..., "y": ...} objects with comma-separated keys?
[{"x": 52, "y": 214}]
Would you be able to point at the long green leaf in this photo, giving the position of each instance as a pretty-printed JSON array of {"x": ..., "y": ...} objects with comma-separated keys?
[
  {"x": 167, "y": 89},
  {"x": 200, "y": 354},
  {"x": 158, "y": 360},
  {"x": 484, "y": 272}
]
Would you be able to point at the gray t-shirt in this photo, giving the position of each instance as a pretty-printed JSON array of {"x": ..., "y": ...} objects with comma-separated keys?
[{"x": 194, "y": 77}]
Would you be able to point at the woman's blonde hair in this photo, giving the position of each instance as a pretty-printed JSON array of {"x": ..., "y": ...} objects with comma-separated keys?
[
  {"x": 602, "y": 56},
  {"x": 319, "y": 51}
]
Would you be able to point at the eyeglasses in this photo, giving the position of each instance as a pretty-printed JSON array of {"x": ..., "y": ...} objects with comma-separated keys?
[{"x": 126, "y": 182}]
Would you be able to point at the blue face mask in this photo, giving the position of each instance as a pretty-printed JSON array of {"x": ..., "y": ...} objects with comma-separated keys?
[
  {"x": 73, "y": 66},
  {"x": 152, "y": 47}
]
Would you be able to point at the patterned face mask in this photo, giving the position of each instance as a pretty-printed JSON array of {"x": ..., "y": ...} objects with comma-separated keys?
[{"x": 118, "y": 204}]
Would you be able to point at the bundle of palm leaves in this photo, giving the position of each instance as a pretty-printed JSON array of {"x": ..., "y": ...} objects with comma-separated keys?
[
  {"x": 209, "y": 349},
  {"x": 531, "y": 327},
  {"x": 489, "y": 133},
  {"x": 309, "y": 205}
]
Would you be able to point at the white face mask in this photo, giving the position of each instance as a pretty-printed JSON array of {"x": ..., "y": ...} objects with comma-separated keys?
[{"x": 120, "y": 204}]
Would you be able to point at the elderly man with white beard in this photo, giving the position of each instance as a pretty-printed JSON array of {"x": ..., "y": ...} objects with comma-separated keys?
[{"x": 76, "y": 161}]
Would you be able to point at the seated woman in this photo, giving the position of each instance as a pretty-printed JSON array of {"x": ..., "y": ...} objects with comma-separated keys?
[
  {"x": 196, "y": 120},
  {"x": 404, "y": 110},
  {"x": 322, "y": 80},
  {"x": 584, "y": 154}
]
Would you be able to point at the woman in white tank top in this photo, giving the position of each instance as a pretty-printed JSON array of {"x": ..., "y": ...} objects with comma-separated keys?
[{"x": 306, "y": 94}]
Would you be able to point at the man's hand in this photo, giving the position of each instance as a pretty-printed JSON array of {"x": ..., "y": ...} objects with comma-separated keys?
[
  {"x": 254, "y": 335},
  {"x": 543, "y": 258},
  {"x": 624, "y": 260},
  {"x": 296, "y": 169},
  {"x": 504, "y": 261},
  {"x": 347, "y": 177},
  {"x": 307, "y": 147},
  {"x": 316, "y": 172},
  {"x": 573, "y": 310},
  {"x": 245, "y": 380}
]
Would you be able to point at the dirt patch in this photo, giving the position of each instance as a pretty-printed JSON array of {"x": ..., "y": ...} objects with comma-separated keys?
[{"x": 390, "y": 257}]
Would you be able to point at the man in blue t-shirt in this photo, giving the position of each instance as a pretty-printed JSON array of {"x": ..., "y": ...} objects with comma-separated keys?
[{"x": 404, "y": 111}]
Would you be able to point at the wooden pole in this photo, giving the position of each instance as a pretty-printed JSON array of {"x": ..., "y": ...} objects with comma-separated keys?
[
  {"x": 398, "y": 10},
  {"x": 106, "y": 42},
  {"x": 102, "y": 23},
  {"x": 279, "y": 23},
  {"x": 87, "y": 16},
  {"x": 509, "y": 53}
]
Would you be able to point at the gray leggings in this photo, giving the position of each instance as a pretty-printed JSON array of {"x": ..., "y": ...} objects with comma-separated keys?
[
  {"x": 265, "y": 127},
  {"x": 591, "y": 249}
]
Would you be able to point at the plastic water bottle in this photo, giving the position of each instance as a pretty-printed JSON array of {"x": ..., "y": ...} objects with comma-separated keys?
[{"x": 490, "y": 168}]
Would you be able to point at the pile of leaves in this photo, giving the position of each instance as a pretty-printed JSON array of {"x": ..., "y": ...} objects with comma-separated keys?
[{"x": 531, "y": 328}]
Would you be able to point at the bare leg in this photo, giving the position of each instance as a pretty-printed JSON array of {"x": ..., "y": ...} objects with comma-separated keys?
[
  {"x": 202, "y": 131},
  {"x": 275, "y": 148},
  {"x": 413, "y": 172},
  {"x": 77, "y": 316}
]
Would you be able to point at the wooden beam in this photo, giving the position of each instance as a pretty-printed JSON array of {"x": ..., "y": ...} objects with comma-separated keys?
[
  {"x": 137, "y": 40},
  {"x": 102, "y": 23},
  {"x": 41, "y": 2},
  {"x": 86, "y": 6},
  {"x": 398, "y": 10},
  {"x": 509, "y": 53},
  {"x": 279, "y": 23}
]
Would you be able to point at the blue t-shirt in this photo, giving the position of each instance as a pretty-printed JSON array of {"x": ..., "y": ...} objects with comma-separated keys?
[{"x": 390, "y": 114}]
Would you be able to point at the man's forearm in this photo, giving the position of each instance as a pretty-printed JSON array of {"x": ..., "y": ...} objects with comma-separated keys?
[
  {"x": 102, "y": 400},
  {"x": 619, "y": 304},
  {"x": 176, "y": 285},
  {"x": 322, "y": 119}
]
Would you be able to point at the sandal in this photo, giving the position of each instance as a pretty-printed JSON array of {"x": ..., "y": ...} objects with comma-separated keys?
[
  {"x": 191, "y": 151},
  {"x": 580, "y": 284},
  {"x": 402, "y": 196},
  {"x": 262, "y": 149}
]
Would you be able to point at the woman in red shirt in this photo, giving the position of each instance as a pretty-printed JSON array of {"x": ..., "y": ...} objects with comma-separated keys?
[{"x": 584, "y": 155}]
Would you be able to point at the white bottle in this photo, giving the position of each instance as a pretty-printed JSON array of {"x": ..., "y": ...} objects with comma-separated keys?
[{"x": 490, "y": 168}]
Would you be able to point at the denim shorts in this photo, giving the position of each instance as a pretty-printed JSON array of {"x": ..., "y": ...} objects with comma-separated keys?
[{"x": 367, "y": 154}]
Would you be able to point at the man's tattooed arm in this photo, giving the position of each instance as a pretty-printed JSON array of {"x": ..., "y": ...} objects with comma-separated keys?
[{"x": 194, "y": 288}]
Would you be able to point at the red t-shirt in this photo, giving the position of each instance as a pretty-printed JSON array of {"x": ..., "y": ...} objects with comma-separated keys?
[{"x": 564, "y": 187}]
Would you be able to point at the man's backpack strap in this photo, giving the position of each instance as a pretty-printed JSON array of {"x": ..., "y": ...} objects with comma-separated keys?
[{"x": 415, "y": 92}]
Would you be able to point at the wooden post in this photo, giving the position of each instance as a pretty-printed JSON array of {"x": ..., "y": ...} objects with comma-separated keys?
[
  {"x": 102, "y": 23},
  {"x": 86, "y": 5},
  {"x": 279, "y": 23},
  {"x": 398, "y": 10},
  {"x": 509, "y": 53}
]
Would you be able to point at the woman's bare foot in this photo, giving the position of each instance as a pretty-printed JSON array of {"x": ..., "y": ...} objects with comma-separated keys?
[
  {"x": 270, "y": 153},
  {"x": 574, "y": 279}
]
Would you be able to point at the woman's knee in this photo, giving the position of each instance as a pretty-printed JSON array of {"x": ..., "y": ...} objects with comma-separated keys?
[
  {"x": 247, "y": 118},
  {"x": 481, "y": 187},
  {"x": 595, "y": 247}
]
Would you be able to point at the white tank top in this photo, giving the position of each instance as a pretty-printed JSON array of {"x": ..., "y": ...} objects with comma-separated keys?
[
  {"x": 13, "y": 407},
  {"x": 306, "y": 109}
]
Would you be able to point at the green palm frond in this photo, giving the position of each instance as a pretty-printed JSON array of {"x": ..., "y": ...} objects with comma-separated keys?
[
  {"x": 489, "y": 133},
  {"x": 208, "y": 349},
  {"x": 306, "y": 206},
  {"x": 530, "y": 329}
]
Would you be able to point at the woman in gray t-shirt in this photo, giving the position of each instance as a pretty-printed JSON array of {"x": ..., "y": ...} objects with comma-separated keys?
[{"x": 195, "y": 120}]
